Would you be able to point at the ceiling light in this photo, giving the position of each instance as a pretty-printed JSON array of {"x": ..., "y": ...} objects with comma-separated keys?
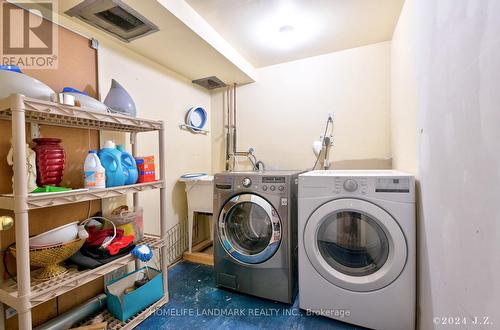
[{"x": 286, "y": 27}]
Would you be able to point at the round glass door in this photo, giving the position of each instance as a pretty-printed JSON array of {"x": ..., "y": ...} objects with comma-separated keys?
[
  {"x": 249, "y": 228},
  {"x": 355, "y": 244}
]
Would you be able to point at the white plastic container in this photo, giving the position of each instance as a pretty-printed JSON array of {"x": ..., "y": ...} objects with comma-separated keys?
[{"x": 94, "y": 172}]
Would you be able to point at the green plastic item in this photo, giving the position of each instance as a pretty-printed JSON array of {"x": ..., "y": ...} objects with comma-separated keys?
[{"x": 47, "y": 189}]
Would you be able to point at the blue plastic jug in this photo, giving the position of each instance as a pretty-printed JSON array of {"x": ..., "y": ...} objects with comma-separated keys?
[
  {"x": 129, "y": 166},
  {"x": 111, "y": 161}
]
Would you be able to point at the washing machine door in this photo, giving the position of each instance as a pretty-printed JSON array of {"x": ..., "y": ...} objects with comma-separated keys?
[
  {"x": 249, "y": 229},
  {"x": 355, "y": 245}
]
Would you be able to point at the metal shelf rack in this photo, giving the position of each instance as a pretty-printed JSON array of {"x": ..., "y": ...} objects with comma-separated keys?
[{"x": 26, "y": 294}]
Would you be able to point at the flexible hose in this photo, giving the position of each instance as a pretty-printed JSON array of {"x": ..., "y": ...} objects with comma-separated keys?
[{"x": 322, "y": 142}]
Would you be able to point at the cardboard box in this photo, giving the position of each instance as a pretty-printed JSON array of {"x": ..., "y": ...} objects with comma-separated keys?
[{"x": 146, "y": 167}]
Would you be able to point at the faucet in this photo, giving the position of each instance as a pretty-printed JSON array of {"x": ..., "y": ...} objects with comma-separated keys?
[{"x": 260, "y": 166}]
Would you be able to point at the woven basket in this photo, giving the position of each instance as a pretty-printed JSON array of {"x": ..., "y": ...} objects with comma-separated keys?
[{"x": 49, "y": 258}]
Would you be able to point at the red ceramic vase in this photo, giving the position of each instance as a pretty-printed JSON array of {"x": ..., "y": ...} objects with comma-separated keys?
[{"x": 49, "y": 161}]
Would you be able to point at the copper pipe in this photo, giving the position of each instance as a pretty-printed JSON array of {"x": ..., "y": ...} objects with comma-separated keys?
[{"x": 227, "y": 124}]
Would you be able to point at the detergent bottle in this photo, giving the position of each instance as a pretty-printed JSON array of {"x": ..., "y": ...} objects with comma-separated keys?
[
  {"x": 111, "y": 161},
  {"x": 129, "y": 166},
  {"x": 94, "y": 173}
]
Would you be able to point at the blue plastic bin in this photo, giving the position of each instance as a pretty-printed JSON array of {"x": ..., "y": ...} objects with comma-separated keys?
[{"x": 125, "y": 306}]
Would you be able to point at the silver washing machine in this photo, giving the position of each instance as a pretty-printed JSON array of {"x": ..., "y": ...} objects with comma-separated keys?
[
  {"x": 255, "y": 236},
  {"x": 357, "y": 247}
]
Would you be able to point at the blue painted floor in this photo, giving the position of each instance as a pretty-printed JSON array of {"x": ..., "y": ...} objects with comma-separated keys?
[{"x": 195, "y": 303}]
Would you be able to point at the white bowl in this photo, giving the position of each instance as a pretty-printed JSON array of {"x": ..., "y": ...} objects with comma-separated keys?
[
  {"x": 88, "y": 102},
  {"x": 15, "y": 82},
  {"x": 59, "y": 235}
]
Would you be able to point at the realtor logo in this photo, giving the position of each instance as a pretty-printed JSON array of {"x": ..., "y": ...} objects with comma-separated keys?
[{"x": 29, "y": 34}]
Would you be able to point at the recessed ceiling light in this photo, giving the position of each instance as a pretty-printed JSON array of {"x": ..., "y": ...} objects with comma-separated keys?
[{"x": 286, "y": 29}]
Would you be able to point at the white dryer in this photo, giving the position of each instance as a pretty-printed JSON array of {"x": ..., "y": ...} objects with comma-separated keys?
[{"x": 357, "y": 247}]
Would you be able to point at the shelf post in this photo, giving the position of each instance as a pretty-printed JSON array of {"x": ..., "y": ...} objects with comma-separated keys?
[
  {"x": 163, "y": 208},
  {"x": 21, "y": 210},
  {"x": 133, "y": 142}
]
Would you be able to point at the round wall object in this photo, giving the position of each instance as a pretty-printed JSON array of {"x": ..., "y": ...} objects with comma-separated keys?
[{"x": 196, "y": 118}]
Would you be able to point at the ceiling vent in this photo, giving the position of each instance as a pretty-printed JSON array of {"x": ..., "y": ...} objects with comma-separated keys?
[
  {"x": 209, "y": 82},
  {"x": 114, "y": 17}
]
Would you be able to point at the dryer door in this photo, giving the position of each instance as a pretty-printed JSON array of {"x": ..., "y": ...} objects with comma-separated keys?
[
  {"x": 249, "y": 228},
  {"x": 355, "y": 244}
]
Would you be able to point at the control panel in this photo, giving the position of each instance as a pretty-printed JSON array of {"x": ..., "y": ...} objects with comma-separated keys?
[
  {"x": 360, "y": 185},
  {"x": 392, "y": 185},
  {"x": 266, "y": 184},
  {"x": 350, "y": 185}
]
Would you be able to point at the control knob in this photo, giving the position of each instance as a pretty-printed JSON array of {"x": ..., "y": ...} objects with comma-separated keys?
[
  {"x": 350, "y": 185},
  {"x": 247, "y": 182}
]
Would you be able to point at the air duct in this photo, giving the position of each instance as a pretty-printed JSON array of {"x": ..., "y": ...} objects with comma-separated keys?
[
  {"x": 210, "y": 82},
  {"x": 113, "y": 17}
]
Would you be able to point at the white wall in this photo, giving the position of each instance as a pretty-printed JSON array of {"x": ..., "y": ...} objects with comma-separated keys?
[
  {"x": 286, "y": 109},
  {"x": 163, "y": 95},
  {"x": 457, "y": 51},
  {"x": 404, "y": 92},
  {"x": 159, "y": 94}
]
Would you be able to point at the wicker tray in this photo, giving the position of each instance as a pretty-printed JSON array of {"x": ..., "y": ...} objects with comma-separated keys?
[{"x": 49, "y": 258}]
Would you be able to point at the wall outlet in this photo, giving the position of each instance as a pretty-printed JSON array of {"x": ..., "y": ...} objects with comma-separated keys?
[
  {"x": 35, "y": 131},
  {"x": 94, "y": 43}
]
